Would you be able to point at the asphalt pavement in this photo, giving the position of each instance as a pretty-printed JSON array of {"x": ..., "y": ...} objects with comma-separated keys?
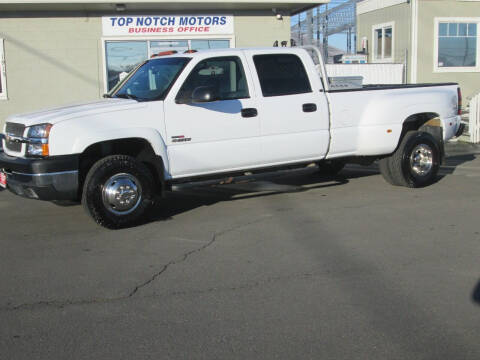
[{"x": 290, "y": 265}]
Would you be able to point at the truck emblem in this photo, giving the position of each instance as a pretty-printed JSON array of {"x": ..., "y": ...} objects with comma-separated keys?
[{"x": 180, "y": 138}]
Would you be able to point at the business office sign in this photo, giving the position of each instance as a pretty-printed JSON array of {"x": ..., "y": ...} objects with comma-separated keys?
[{"x": 167, "y": 25}]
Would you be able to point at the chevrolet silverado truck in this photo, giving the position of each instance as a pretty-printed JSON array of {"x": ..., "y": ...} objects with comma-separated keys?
[{"x": 181, "y": 117}]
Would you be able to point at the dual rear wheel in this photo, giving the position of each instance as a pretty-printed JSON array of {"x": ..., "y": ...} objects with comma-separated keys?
[{"x": 415, "y": 163}]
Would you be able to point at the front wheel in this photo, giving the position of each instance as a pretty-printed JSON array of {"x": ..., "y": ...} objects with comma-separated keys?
[
  {"x": 118, "y": 191},
  {"x": 415, "y": 163}
]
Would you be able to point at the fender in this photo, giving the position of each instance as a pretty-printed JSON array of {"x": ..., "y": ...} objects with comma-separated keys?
[
  {"x": 385, "y": 122},
  {"x": 82, "y": 141}
]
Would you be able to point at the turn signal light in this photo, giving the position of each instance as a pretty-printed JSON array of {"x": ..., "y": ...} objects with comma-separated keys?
[{"x": 45, "y": 150}]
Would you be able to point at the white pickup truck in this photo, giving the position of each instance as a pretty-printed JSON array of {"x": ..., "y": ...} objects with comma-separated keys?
[{"x": 181, "y": 117}]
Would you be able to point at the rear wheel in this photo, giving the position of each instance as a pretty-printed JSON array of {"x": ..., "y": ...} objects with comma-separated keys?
[
  {"x": 118, "y": 191},
  {"x": 415, "y": 163},
  {"x": 384, "y": 166}
]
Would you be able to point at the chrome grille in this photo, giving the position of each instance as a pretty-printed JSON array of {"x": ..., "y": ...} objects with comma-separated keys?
[{"x": 15, "y": 130}]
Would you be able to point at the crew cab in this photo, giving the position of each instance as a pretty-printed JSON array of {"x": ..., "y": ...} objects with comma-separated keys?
[{"x": 181, "y": 117}]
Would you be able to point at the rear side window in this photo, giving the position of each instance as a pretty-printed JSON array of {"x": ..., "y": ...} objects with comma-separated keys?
[{"x": 282, "y": 74}]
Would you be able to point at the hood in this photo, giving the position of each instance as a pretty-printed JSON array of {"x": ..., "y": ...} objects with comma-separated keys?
[{"x": 68, "y": 112}]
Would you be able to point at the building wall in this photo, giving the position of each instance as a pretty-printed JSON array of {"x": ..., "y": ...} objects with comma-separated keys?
[
  {"x": 428, "y": 10},
  {"x": 55, "y": 60},
  {"x": 50, "y": 61},
  {"x": 400, "y": 15},
  {"x": 260, "y": 29}
]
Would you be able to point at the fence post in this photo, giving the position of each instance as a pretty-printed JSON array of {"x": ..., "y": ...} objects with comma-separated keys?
[{"x": 474, "y": 119}]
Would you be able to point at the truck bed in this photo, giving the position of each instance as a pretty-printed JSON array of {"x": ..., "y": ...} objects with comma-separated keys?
[{"x": 392, "y": 86}]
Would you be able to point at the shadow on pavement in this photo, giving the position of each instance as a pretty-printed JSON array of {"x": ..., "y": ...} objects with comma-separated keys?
[
  {"x": 453, "y": 161},
  {"x": 188, "y": 197},
  {"x": 476, "y": 294},
  {"x": 458, "y": 153}
]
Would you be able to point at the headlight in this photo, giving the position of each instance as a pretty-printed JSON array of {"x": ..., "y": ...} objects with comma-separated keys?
[
  {"x": 37, "y": 137},
  {"x": 39, "y": 131},
  {"x": 37, "y": 149}
]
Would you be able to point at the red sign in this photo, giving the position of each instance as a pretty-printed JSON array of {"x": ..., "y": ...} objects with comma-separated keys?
[{"x": 3, "y": 179}]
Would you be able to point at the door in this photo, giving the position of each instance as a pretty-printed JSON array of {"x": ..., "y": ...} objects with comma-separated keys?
[
  {"x": 293, "y": 108},
  {"x": 217, "y": 136}
]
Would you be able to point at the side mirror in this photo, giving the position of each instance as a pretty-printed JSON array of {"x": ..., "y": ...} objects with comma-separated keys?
[{"x": 204, "y": 94}]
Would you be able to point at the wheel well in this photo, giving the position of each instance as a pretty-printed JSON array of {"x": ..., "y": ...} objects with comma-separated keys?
[
  {"x": 138, "y": 148},
  {"x": 428, "y": 122},
  {"x": 416, "y": 121}
]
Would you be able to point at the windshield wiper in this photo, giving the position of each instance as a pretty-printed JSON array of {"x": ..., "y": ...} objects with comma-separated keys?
[{"x": 128, "y": 96}]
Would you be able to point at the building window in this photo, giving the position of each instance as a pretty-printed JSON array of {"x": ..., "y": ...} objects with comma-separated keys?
[
  {"x": 123, "y": 56},
  {"x": 457, "y": 45},
  {"x": 383, "y": 42},
  {"x": 3, "y": 76}
]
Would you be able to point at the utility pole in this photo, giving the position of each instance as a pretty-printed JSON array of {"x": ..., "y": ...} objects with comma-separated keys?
[
  {"x": 355, "y": 27},
  {"x": 300, "y": 37},
  {"x": 325, "y": 35},
  {"x": 309, "y": 27},
  {"x": 349, "y": 40}
]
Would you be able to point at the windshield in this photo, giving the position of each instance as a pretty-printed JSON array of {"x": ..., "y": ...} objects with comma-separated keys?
[{"x": 152, "y": 80}]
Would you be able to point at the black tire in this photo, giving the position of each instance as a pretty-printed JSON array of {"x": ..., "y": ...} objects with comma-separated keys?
[
  {"x": 113, "y": 172},
  {"x": 331, "y": 167},
  {"x": 384, "y": 166},
  {"x": 415, "y": 163}
]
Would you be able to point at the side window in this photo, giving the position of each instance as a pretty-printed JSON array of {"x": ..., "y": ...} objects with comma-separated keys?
[
  {"x": 281, "y": 74},
  {"x": 225, "y": 74},
  {"x": 3, "y": 82}
]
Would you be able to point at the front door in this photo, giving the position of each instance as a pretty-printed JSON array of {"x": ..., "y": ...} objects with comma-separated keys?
[{"x": 217, "y": 136}]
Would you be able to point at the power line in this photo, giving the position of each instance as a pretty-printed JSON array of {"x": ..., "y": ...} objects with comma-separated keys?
[{"x": 324, "y": 21}]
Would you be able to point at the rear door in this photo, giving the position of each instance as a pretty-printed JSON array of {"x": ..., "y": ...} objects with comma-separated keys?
[
  {"x": 292, "y": 107},
  {"x": 216, "y": 136}
]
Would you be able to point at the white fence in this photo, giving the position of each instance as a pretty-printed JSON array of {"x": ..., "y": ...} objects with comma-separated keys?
[
  {"x": 474, "y": 119},
  {"x": 372, "y": 73}
]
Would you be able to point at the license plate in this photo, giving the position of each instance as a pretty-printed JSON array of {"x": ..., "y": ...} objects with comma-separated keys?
[{"x": 3, "y": 179}]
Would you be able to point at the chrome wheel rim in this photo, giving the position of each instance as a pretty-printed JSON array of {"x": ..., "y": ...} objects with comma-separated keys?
[
  {"x": 121, "y": 194},
  {"x": 421, "y": 160}
]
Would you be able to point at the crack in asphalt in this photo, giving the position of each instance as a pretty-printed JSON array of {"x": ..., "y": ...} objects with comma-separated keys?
[
  {"x": 174, "y": 262},
  {"x": 316, "y": 274},
  {"x": 64, "y": 303}
]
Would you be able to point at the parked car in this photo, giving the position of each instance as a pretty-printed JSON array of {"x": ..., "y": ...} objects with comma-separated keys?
[{"x": 181, "y": 117}]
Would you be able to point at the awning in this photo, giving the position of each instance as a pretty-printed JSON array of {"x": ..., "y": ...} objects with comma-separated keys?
[{"x": 286, "y": 7}]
